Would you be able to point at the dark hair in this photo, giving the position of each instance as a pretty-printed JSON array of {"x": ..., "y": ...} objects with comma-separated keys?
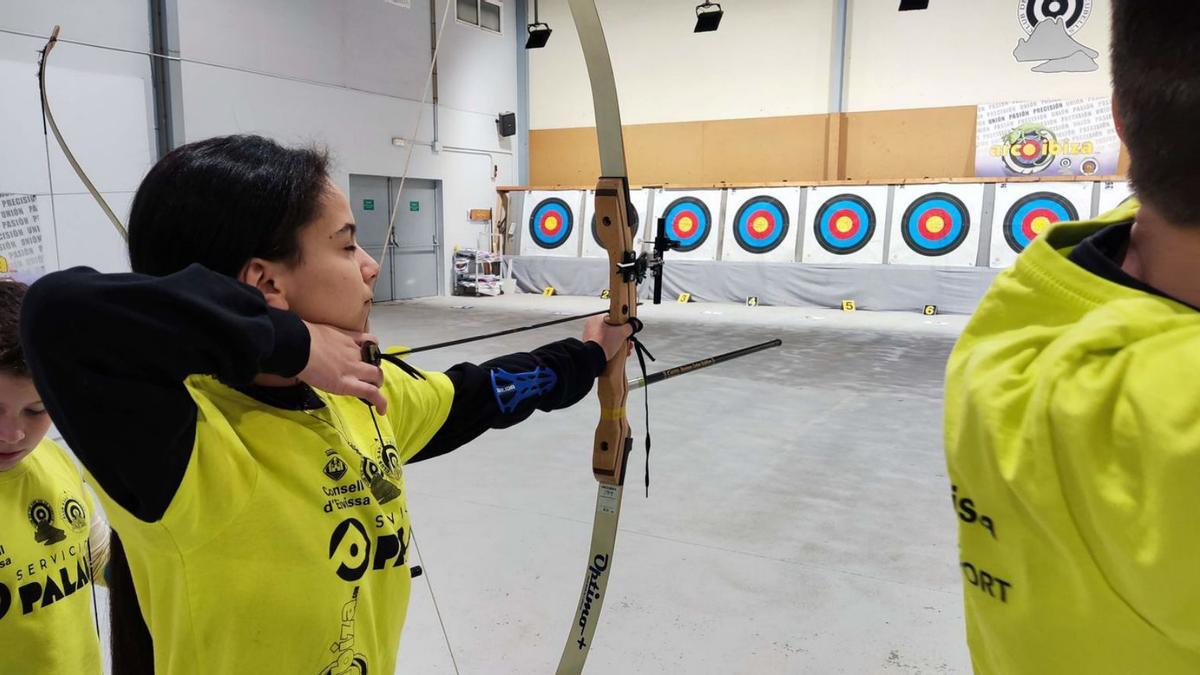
[
  {"x": 219, "y": 203},
  {"x": 12, "y": 357},
  {"x": 1156, "y": 81},
  {"x": 222, "y": 201}
]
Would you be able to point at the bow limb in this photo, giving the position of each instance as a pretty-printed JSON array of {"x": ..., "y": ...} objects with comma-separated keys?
[
  {"x": 613, "y": 439},
  {"x": 49, "y": 118}
]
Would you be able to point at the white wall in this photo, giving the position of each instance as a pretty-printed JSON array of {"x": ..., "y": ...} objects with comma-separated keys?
[
  {"x": 347, "y": 74},
  {"x": 957, "y": 52},
  {"x": 770, "y": 58},
  {"x": 102, "y": 101},
  {"x": 363, "y": 66},
  {"x": 773, "y": 57}
]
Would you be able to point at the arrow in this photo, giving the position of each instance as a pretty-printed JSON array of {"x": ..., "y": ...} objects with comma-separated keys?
[{"x": 653, "y": 378}]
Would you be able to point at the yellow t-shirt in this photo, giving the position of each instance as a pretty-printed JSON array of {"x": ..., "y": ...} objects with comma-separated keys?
[
  {"x": 46, "y": 621},
  {"x": 284, "y": 549},
  {"x": 1073, "y": 443}
]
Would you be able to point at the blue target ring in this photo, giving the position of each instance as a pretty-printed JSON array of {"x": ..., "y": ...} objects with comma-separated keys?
[
  {"x": 760, "y": 224},
  {"x": 844, "y": 224},
  {"x": 551, "y": 223},
  {"x": 688, "y": 222},
  {"x": 935, "y": 224},
  {"x": 1031, "y": 214}
]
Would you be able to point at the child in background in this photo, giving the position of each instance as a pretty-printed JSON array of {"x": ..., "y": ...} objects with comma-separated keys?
[{"x": 46, "y": 523}]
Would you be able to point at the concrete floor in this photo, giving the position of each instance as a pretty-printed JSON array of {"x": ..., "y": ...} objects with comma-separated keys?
[{"x": 798, "y": 518}]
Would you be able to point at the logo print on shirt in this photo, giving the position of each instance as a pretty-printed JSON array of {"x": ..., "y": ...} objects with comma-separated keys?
[
  {"x": 75, "y": 514},
  {"x": 335, "y": 468},
  {"x": 391, "y": 461},
  {"x": 383, "y": 489},
  {"x": 42, "y": 516},
  {"x": 347, "y": 661}
]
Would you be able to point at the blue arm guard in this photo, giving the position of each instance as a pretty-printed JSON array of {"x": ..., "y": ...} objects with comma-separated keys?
[{"x": 513, "y": 388}]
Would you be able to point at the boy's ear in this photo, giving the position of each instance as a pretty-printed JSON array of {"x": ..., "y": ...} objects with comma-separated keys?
[{"x": 267, "y": 277}]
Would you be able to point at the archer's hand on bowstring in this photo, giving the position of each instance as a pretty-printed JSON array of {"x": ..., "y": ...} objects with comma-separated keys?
[
  {"x": 335, "y": 365},
  {"x": 609, "y": 337}
]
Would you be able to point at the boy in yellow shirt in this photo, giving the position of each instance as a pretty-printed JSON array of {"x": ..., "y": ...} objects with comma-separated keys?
[
  {"x": 46, "y": 566},
  {"x": 1071, "y": 409}
]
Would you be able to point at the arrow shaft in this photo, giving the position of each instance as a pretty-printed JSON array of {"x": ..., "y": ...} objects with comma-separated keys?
[
  {"x": 499, "y": 333},
  {"x": 652, "y": 378}
]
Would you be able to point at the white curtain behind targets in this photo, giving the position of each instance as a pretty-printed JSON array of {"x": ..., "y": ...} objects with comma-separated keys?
[
  {"x": 761, "y": 224},
  {"x": 936, "y": 225},
  {"x": 551, "y": 224}
]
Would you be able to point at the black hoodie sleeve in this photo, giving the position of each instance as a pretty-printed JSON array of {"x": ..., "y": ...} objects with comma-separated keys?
[
  {"x": 109, "y": 354},
  {"x": 479, "y": 390}
]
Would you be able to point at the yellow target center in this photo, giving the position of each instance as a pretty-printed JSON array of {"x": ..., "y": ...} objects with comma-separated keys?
[
  {"x": 844, "y": 224},
  {"x": 1029, "y": 150},
  {"x": 1039, "y": 224},
  {"x": 686, "y": 224},
  {"x": 760, "y": 224},
  {"x": 551, "y": 224},
  {"x": 935, "y": 224}
]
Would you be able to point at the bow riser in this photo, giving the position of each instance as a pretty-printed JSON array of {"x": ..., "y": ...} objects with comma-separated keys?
[{"x": 613, "y": 439}]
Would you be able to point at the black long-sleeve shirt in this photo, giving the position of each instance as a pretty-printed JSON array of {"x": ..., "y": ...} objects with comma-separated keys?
[{"x": 109, "y": 354}]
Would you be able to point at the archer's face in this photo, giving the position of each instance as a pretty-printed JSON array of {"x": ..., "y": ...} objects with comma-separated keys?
[
  {"x": 334, "y": 281},
  {"x": 23, "y": 419}
]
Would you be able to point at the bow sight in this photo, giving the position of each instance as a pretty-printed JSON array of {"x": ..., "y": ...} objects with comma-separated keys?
[{"x": 636, "y": 266}]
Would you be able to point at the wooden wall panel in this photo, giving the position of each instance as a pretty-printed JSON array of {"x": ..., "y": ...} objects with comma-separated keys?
[
  {"x": 922, "y": 143},
  {"x": 879, "y": 145}
]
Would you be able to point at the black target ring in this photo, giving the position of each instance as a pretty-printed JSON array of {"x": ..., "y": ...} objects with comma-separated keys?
[{"x": 1074, "y": 13}]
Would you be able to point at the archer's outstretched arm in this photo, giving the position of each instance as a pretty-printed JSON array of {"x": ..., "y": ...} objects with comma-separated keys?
[{"x": 504, "y": 391}]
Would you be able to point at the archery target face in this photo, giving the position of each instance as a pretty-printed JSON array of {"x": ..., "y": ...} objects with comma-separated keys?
[
  {"x": 638, "y": 199},
  {"x": 551, "y": 223},
  {"x": 936, "y": 225},
  {"x": 845, "y": 224},
  {"x": 689, "y": 222},
  {"x": 1074, "y": 13},
  {"x": 760, "y": 225},
  {"x": 1112, "y": 194},
  {"x": 689, "y": 218},
  {"x": 1023, "y": 211}
]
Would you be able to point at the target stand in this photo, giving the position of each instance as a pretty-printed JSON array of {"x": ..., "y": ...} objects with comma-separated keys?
[
  {"x": 551, "y": 223},
  {"x": 760, "y": 225},
  {"x": 690, "y": 220},
  {"x": 1023, "y": 211},
  {"x": 936, "y": 225},
  {"x": 1112, "y": 195},
  {"x": 845, "y": 225},
  {"x": 638, "y": 201}
]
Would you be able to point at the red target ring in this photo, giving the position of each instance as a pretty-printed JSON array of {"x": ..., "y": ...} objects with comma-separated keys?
[
  {"x": 761, "y": 225},
  {"x": 935, "y": 224},
  {"x": 844, "y": 224}
]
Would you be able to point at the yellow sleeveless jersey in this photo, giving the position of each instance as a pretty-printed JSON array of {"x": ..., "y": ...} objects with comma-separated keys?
[
  {"x": 46, "y": 619},
  {"x": 1073, "y": 445},
  {"x": 290, "y": 525}
]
